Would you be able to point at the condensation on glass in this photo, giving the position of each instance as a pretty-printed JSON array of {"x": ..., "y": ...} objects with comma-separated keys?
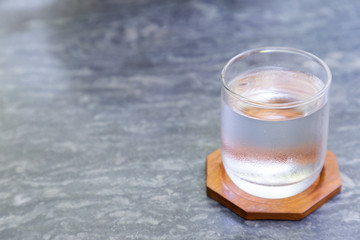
[{"x": 274, "y": 120}]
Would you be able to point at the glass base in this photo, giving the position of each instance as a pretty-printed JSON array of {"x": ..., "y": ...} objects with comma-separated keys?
[{"x": 273, "y": 192}]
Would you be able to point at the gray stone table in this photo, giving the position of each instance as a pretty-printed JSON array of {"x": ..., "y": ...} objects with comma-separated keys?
[{"x": 109, "y": 108}]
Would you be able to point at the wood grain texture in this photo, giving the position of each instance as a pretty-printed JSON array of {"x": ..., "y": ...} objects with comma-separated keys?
[{"x": 223, "y": 190}]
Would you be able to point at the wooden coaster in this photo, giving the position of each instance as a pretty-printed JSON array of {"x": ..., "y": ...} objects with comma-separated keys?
[{"x": 223, "y": 190}]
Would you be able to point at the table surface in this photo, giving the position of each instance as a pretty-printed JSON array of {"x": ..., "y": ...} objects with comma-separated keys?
[{"x": 108, "y": 110}]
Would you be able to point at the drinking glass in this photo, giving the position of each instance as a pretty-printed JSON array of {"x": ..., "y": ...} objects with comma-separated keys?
[{"x": 274, "y": 120}]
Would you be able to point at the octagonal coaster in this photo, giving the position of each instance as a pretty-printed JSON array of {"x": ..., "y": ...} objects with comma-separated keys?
[{"x": 223, "y": 190}]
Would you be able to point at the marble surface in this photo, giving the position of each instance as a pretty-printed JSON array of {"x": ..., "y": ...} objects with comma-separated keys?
[{"x": 108, "y": 110}]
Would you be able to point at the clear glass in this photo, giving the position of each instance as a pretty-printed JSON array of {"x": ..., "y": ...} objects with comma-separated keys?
[{"x": 274, "y": 120}]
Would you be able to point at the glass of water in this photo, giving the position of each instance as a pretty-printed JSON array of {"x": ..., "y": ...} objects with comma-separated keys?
[{"x": 274, "y": 120}]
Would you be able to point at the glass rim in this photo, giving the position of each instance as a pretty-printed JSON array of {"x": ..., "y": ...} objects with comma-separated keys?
[{"x": 305, "y": 101}]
